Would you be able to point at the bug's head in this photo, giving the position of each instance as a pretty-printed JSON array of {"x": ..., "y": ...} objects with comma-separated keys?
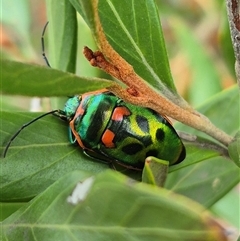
[{"x": 71, "y": 106}]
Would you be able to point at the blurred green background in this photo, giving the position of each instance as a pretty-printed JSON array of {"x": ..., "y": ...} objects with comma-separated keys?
[{"x": 197, "y": 40}]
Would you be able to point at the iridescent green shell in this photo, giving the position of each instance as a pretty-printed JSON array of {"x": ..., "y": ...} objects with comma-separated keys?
[{"x": 118, "y": 131}]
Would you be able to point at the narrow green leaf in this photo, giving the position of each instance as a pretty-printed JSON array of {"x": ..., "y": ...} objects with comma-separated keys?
[
  {"x": 62, "y": 35},
  {"x": 133, "y": 29},
  {"x": 85, "y": 10},
  {"x": 226, "y": 46},
  {"x": 147, "y": 213},
  {"x": 32, "y": 80}
]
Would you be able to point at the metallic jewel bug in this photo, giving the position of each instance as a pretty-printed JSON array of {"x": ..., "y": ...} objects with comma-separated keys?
[{"x": 110, "y": 129}]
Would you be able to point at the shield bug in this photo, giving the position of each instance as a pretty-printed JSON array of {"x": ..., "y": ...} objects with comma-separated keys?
[
  {"x": 106, "y": 126},
  {"x": 110, "y": 129}
]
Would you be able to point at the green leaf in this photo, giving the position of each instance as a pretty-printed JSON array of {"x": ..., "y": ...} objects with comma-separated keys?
[
  {"x": 32, "y": 80},
  {"x": 85, "y": 10},
  {"x": 211, "y": 177},
  {"x": 99, "y": 213},
  {"x": 134, "y": 31},
  {"x": 155, "y": 171},
  {"x": 8, "y": 208},
  {"x": 205, "y": 182},
  {"x": 62, "y": 35},
  {"x": 226, "y": 46},
  {"x": 39, "y": 155}
]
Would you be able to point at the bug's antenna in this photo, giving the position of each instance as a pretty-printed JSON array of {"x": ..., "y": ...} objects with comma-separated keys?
[
  {"x": 43, "y": 46},
  {"x": 23, "y": 127}
]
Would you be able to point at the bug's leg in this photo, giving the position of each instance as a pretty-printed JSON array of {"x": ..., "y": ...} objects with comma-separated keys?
[
  {"x": 97, "y": 157},
  {"x": 111, "y": 163},
  {"x": 155, "y": 171},
  {"x": 129, "y": 167}
]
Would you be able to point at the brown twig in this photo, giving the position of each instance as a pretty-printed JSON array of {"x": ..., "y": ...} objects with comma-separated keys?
[{"x": 147, "y": 97}]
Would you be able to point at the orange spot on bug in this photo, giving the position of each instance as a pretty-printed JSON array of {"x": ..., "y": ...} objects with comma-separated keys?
[
  {"x": 107, "y": 138},
  {"x": 119, "y": 112}
]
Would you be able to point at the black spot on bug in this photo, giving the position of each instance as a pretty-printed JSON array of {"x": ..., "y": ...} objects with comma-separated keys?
[
  {"x": 152, "y": 153},
  {"x": 142, "y": 123},
  {"x": 147, "y": 140},
  {"x": 95, "y": 125},
  {"x": 157, "y": 115},
  {"x": 160, "y": 135},
  {"x": 132, "y": 149}
]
